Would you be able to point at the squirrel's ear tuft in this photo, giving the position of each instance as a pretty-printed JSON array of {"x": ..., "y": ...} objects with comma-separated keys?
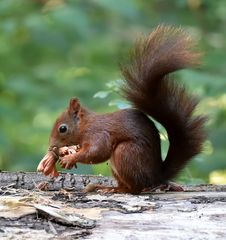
[{"x": 74, "y": 106}]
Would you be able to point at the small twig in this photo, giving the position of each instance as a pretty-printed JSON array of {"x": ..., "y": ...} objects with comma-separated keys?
[{"x": 52, "y": 228}]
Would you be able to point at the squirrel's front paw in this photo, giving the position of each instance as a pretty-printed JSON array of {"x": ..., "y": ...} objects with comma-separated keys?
[
  {"x": 67, "y": 150},
  {"x": 67, "y": 162}
]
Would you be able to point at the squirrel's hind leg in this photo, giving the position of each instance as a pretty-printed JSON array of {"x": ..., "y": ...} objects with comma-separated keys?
[
  {"x": 121, "y": 188},
  {"x": 167, "y": 187},
  {"x": 124, "y": 163}
]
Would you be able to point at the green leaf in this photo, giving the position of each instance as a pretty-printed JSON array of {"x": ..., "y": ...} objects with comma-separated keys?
[
  {"x": 101, "y": 94},
  {"x": 119, "y": 103}
]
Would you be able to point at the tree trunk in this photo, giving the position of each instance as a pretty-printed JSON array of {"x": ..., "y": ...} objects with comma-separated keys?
[{"x": 64, "y": 211}]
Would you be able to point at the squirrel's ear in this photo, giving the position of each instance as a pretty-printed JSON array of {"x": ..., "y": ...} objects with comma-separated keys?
[{"x": 74, "y": 106}]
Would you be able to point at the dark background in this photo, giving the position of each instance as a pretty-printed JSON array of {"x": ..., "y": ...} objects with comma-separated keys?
[{"x": 51, "y": 50}]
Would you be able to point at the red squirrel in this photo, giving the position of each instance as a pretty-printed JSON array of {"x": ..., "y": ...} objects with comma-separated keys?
[{"x": 129, "y": 138}]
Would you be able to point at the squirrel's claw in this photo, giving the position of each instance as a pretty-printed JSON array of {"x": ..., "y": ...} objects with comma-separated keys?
[{"x": 67, "y": 162}]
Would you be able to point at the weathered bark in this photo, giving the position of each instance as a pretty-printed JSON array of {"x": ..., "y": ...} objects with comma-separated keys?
[
  {"x": 28, "y": 213},
  {"x": 29, "y": 180}
]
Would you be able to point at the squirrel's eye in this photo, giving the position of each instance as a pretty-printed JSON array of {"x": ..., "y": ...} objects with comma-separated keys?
[{"x": 63, "y": 128}]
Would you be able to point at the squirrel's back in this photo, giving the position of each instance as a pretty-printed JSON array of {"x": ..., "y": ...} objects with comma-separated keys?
[{"x": 148, "y": 87}]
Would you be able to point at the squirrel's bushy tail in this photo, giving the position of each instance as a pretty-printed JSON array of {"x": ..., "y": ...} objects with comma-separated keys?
[{"x": 149, "y": 88}]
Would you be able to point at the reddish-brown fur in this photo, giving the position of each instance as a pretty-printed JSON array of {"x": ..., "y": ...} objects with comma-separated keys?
[{"x": 128, "y": 137}]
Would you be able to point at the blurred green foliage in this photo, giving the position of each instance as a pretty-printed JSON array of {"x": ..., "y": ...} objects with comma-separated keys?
[{"x": 51, "y": 50}]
